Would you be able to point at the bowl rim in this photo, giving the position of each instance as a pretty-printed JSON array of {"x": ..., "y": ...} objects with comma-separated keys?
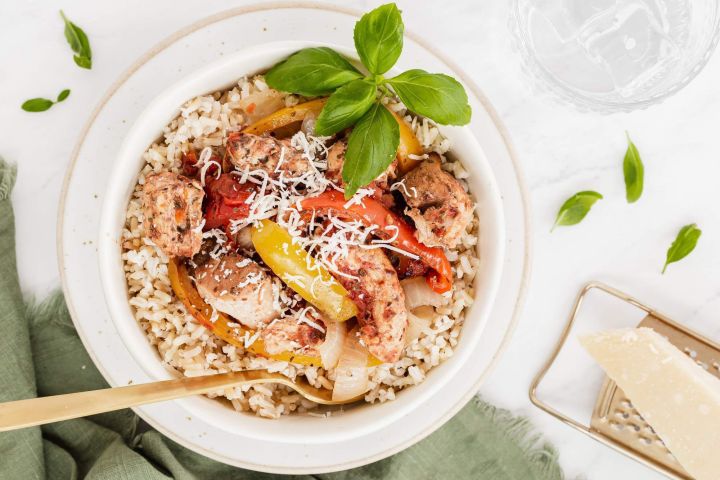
[{"x": 515, "y": 175}]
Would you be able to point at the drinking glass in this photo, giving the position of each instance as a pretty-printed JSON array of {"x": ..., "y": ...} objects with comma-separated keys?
[{"x": 615, "y": 55}]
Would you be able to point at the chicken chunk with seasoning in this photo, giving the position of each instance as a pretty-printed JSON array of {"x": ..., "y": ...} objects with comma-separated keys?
[
  {"x": 237, "y": 286},
  {"x": 438, "y": 204},
  {"x": 298, "y": 333},
  {"x": 380, "y": 299},
  {"x": 336, "y": 159},
  {"x": 172, "y": 210},
  {"x": 263, "y": 152}
]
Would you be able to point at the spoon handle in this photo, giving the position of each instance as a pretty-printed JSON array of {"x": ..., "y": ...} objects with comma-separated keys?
[{"x": 38, "y": 411}]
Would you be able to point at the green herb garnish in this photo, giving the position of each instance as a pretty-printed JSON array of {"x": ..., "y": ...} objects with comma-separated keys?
[
  {"x": 379, "y": 38},
  {"x": 575, "y": 208},
  {"x": 79, "y": 43},
  {"x": 433, "y": 95},
  {"x": 346, "y": 106},
  {"x": 63, "y": 95},
  {"x": 357, "y": 99},
  {"x": 42, "y": 104},
  {"x": 684, "y": 243},
  {"x": 373, "y": 144},
  {"x": 312, "y": 71},
  {"x": 634, "y": 172}
]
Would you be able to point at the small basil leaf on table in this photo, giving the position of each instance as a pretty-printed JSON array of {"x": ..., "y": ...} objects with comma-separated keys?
[
  {"x": 378, "y": 38},
  {"x": 83, "y": 62},
  {"x": 434, "y": 95},
  {"x": 345, "y": 107},
  {"x": 37, "y": 105},
  {"x": 684, "y": 243},
  {"x": 79, "y": 43},
  {"x": 576, "y": 207},
  {"x": 312, "y": 71},
  {"x": 63, "y": 95},
  {"x": 634, "y": 172},
  {"x": 372, "y": 146}
]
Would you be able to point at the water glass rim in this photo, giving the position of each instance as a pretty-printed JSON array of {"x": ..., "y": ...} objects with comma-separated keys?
[{"x": 587, "y": 102}]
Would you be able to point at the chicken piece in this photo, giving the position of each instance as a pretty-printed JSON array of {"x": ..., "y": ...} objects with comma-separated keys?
[
  {"x": 172, "y": 208},
  {"x": 263, "y": 152},
  {"x": 336, "y": 158},
  {"x": 237, "y": 286},
  {"x": 438, "y": 204},
  {"x": 297, "y": 333},
  {"x": 380, "y": 300}
]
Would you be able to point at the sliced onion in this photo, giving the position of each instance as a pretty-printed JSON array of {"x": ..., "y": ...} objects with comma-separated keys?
[
  {"x": 351, "y": 373},
  {"x": 308, "y": 124},
  {"x": 419, "y": 321},
  {"x": 266, "y": 102},
  {"x": 331, "y": 348},
  {"x": 242, "y": 238},
  {"x": 418, "y": 293}
]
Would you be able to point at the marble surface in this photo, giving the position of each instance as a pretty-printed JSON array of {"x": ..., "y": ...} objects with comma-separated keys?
[{"x": 561, "y": 151}]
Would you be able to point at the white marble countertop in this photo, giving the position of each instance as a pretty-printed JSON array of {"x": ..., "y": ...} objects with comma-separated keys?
[{"x": 561, "y": 151}]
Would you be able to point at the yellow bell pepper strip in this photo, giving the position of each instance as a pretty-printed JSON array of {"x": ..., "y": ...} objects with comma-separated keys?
[
  {"x": 372, "y": 212},
  {"x": 409, "y": 145},
  {"x": 285, "y": 116},
  {"x": 301, "y": 272},
  {"x": 218, "y": 323}
]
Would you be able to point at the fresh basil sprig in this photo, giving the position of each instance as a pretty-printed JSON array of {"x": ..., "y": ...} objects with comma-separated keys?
[
  {"x": 346, "y": 106},
  {"x": 634, "y": 172},
  {"x": 358, "y": 100},
  {"x": 312, "y": 71},
  {"x": 42, "y": 104},
  {"x": 379, "y": 38},
  {"x": 79, "y": 43},
  {"x": 576, "y": 207},
  {"x": 373, "y": 143},
  {"x": 683, "y": 245},
  {"x": 433, "y": 95}
]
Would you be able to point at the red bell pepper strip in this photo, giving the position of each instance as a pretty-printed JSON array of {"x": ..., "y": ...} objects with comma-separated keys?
[{"x": 372, "y": 212}]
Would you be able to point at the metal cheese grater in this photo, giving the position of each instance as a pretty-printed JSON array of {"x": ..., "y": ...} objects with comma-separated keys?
[{"x": 614, "y": 421}]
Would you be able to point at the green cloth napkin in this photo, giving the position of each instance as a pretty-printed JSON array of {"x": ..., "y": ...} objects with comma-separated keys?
[{"x": 41, "y": 354}]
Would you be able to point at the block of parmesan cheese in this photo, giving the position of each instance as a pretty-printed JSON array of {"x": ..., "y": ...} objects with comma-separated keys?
[{"x": 678, "y": 398}]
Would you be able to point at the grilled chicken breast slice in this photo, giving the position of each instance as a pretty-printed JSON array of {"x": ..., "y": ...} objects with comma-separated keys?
[
  {"x": 438, "y": 204},
  {"x": 172, "y": 211},
  {"x": 263, "y": 152},
  {"x": 237, "y": 286},
  {"x": 380, "y": 299},
  {"x": 297, "y": 333}
]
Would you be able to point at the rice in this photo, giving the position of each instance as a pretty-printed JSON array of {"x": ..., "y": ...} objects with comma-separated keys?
[{"x": 191, "y": 350}]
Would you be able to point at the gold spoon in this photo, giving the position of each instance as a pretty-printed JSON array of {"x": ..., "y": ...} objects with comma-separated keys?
[{"x": 38, "y": 411}]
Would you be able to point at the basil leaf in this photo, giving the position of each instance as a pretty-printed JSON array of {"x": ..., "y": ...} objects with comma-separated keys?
[
  {"x": 83, "y": 62},
  {"x": 684, "y": 243},
  {"x": 378, "y": 38},
  {"x": 311, "y": 71},
  {"x": 576, "y": 207},
  {"x": 345, "y": 107},
  {"x": 634, "y": 172},
  {"x": 37, "y": 105},
  {"x": 79, "y": 43},
  {"x": 63, "y": 95},
  {"x": 372, "y": 146},
  {"x": 433, "y": 95}
]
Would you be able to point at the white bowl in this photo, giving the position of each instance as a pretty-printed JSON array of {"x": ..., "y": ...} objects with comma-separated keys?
[{"x": 354, "y": 421}]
